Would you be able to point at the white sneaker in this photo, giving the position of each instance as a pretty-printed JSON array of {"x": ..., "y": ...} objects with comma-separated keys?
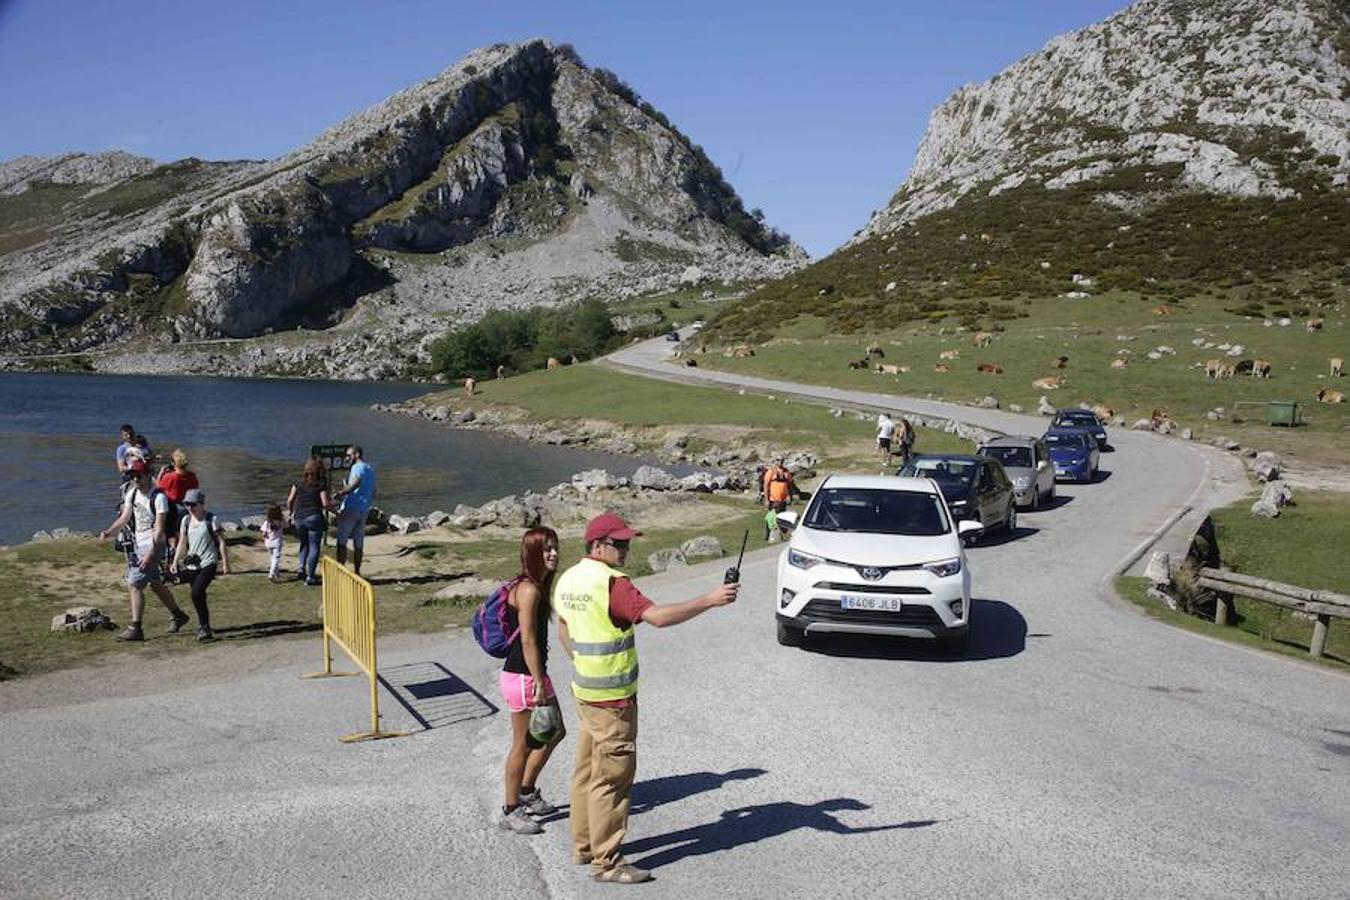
[
  {"x": 535, "y": 804},
  {"x": 518, "y": 820}
]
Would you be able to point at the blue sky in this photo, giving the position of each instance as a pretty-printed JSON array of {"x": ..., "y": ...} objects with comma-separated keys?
[{"x": 813, "y": 110}]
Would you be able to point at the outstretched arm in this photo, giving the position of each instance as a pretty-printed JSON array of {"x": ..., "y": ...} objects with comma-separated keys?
[{"x": 663, "y": 615}]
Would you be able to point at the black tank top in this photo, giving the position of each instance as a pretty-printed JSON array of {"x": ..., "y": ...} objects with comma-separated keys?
[
  {"x": 307, "y": 500},
  {"x": 515, "y": 657}
]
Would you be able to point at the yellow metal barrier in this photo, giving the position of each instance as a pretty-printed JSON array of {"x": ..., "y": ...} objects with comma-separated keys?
[{"x": 349, "y": 621}]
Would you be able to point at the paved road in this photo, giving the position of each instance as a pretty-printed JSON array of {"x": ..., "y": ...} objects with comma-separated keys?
[{"x": 1075, "y": 750}]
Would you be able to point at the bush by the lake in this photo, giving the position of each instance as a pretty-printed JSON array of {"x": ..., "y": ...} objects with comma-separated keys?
[{"x": 524, "y": 339}]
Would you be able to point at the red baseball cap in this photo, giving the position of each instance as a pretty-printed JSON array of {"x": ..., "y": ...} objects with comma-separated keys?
[
  {"x": 609, "y": 525},
  {"x": 137, "y": 467}
]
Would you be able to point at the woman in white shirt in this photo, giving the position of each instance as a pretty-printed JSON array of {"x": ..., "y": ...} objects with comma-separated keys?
[{"x": 201, "y": 553}]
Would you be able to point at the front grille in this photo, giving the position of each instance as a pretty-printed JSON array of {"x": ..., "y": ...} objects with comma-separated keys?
[
  {"x": 910, "y": 616},
  {"x": 870, "y": 588}
]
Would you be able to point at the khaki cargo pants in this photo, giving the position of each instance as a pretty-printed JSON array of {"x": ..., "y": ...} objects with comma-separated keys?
[{"x": 603, "y": 781}]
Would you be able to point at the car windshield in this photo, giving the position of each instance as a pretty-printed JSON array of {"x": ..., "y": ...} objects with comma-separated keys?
[
  {"x": 876, "y": 511},
  {"x": 1082, "y": 420},
  {"x": 943, "y": 471},
  {"x": 1066, "y": 441},
  {"x": 1011, "y": 457}
]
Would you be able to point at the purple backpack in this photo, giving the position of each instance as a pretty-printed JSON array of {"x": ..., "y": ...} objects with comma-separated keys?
[{"x": 494, "y": 623}]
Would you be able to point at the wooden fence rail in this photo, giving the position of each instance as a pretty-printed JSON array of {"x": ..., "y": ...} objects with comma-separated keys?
[{"x": 1323, "y": 605}]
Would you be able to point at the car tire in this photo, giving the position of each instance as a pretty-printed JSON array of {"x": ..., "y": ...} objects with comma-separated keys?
[
  {"x": 789, "y": 636},
  {"x": 1010, "y": 521},
  {"x": 1053, "y": 495},
  {"x": 1035, "y": 498}
]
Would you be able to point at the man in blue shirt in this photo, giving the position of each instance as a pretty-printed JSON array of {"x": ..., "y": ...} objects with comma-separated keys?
[{"x": 357, "y": 496}]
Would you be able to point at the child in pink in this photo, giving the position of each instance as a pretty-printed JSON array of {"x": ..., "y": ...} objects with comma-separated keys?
[{"x": 272, "y": 530}]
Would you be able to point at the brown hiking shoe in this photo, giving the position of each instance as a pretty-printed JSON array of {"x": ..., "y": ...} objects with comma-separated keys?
[
  {"x": 132, "y": 633},
  {"x": 623, "y": 873},
  {"x": 180, "y": 619}
]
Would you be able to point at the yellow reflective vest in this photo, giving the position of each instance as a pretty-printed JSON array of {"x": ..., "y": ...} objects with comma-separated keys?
[{"x": 604, "y": 660}]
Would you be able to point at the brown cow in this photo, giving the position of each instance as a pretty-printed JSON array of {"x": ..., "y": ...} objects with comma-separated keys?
[
  {"x": 1313, "y": 325},
  {"x": 553, "y": 363},
  {"x": 1214, "y": 368},
  {"x": 1103, "y": 413},
  {"x": 1261, "y": 368},
  {"x": 739, "y": 351},
  {"x": 941, "y": 367},
  {"x": 875, "y": 350},
  {"x": 983, "y": 339},
  {"x": 1158, "y": 416},
  {"x": 1048, "y": 383},
  {"x": 1162, "y": 310},
  {"x": 1119, "y": 362},
  {"x": 1060, "y": 362},
  {"x": 1327, "y": 395},
  {"x": 949, "y": 354},
  {"x": 1336, "y": 364},
  {"x": 989, "y": 368}
]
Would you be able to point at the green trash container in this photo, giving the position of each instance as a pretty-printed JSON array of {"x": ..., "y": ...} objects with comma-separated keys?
[{"x": 1282, "y": 412}]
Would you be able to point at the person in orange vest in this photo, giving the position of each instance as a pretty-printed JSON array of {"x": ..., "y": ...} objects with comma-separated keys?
[{"x": 778, "y": 486}]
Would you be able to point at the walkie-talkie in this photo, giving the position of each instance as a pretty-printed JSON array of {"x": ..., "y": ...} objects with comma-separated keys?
[{"x": 733, "y": 575}]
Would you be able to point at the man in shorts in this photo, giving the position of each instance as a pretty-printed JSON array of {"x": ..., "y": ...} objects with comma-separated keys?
[
  {"x": 885, "y": 434},
  {"x": 357, "y": 496},
  {"x": 146, "y": 507}
]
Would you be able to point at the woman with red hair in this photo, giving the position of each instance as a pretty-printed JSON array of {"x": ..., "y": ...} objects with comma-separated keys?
[{"x": 525, "y": 683}]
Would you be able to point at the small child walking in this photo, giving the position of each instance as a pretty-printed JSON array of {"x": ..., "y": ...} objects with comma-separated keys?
[{"x": 273, "y": 529}]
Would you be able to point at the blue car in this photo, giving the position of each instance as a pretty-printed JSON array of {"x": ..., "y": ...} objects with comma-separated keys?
[
  {"x": 1085, "y": 419},
  {"x": 1073, "y": 452}
]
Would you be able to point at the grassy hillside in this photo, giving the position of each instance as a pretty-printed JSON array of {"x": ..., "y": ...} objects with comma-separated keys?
[{"x": 984, "y": 262}]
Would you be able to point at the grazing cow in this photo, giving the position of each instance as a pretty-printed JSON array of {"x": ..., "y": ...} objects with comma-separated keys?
[
  {"x": 469, "y": 386},
  {"x": 739, "y": 351},
  {"x": 1048, "y": 383},
  {"x": 572, "y": 360},
  {"x": 1336, "y": 364},
  {"x": 1158, "y": 416},
  {"x": 875, "y": 350},
  {"x": 1228, "y": 371},
  {"x": 1313, "y": 325},
  {"x": 1162, "y": 310},
  {"x": 859, "y": 364},
  {"x": 941, "y": 367},
  {"x": 1119, "y": 362},
  {"x": 553, "y": 363},
  {"x": 501, "y": 372},
  {"x": 1103, "y": 413},
  {"x": 1261, "y": 368},
  {"x": 904, "y": 369},
  {"x": 1060, "y": 362},
  {"x": 691, "y": 363},
  {"x": 888, "y": 369},
  {"x": 983, "y": 339},
  {"x": 989, "y": 369},
  {"x": 1244, "y": 367},
  {"x": 949, "y": 354},
  {"x": 1214, "y": 368},
  {"x": 1327, "y": 395}
]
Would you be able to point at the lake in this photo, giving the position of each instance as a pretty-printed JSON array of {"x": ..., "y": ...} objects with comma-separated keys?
[{"x": 246, "y": 440}]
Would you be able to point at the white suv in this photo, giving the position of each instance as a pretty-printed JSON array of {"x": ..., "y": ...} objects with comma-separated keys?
[{"x": 875, "y": 555}]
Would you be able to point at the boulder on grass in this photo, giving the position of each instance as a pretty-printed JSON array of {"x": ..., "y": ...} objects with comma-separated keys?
[
  {"x": 662, "y": 560},
  {"x": 81, "y": 620},
  {"x": 1266, "y": 466},
  {"x": 702, "y": 547},
  {"x": 653, "y": 479}
]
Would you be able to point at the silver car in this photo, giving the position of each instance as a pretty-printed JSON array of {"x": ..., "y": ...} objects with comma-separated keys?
[{"x": 1027, "y": 462}]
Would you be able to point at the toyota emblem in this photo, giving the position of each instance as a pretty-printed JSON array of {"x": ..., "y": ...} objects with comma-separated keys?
[{"x": 871, "y": 573}]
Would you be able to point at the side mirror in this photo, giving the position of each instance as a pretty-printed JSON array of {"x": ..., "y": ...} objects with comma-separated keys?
[
  {"x": 787, "y": 520},
  {"x": 1042, "y": 465},
  {"x": 969, "y": 529}
]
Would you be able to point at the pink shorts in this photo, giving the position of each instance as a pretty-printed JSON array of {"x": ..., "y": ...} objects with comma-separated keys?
[{"x": 518, "y": 690}]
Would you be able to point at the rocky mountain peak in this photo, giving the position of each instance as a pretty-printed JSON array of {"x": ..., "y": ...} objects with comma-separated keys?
[
  {"x": 1247, "y": 97},
  {"x": 518, "y": 175},
  {"x": 18, "y": 174}
]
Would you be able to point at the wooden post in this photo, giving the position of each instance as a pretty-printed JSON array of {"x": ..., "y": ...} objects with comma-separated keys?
[
  {"x": 1319, "y": 635},
  {"x": 1220, "y": 610}
]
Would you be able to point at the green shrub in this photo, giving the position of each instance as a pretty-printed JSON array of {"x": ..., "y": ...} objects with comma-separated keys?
[{"x": 525, "y": 339}]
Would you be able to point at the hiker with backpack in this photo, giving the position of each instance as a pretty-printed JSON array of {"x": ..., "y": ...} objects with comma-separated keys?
[
  {"x": 201, "y": 553},
  {"x": 145, "y": 508},
  {"x": 513, "y": 624}
]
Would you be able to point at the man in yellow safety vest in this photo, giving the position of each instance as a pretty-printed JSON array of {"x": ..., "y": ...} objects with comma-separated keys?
[{"x": 599, "y": 607}]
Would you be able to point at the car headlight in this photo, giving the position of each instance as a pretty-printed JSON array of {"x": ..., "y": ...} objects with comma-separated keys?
[
  {"x": 944, "y": 568},
  {"x": 1022, "y": 483},
  {"x": 800, "y": 560}
]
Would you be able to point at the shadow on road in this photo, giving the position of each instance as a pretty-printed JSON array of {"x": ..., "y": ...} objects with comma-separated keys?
[
  {"x": 997, "y": 631},
  {"x": 1100, "y": 476},
  {"x": 1003, "y": 536},
  {"x": 654, "y": 792},
  {"x": 433, "y": 695},
  {"x": 266, "y": 629},
  {"x": 751, "y": 824},
  {"x": 1047, "y": 505}
]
